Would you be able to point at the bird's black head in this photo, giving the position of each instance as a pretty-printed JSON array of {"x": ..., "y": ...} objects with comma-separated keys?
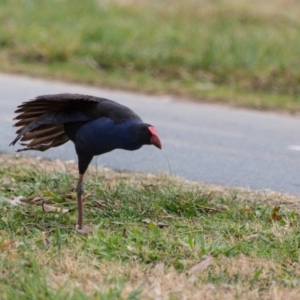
[{"x": 147, "y": 135}]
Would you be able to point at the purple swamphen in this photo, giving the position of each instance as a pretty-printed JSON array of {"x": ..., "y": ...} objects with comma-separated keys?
[{"x": 95, "y": 126}]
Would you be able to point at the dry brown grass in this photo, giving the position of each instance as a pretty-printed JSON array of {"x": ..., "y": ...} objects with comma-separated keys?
[
  {"x": 90, "y": 275},
  {"x": 208, "y": 8}
]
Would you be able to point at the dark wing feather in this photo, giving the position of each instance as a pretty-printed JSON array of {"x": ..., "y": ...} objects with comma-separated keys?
[{"x": 41, "y": 122}]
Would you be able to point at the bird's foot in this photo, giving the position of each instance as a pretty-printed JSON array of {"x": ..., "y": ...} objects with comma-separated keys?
[{"x": 85, "y": 229}]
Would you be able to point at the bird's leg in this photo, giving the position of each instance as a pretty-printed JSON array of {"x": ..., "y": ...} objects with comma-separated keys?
[
  {"x": 80, "y": 191},
  {"x": 80, "y": 227},
  {"x": 83, "y": 162}
]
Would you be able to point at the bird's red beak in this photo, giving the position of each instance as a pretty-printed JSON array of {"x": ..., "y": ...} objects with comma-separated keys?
[{"x": 154, "y": 138}]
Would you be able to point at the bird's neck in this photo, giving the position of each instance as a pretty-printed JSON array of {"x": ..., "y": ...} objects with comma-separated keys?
[
  {"x": 127, "y": 138},
  {"x": 103, "y": 135}
]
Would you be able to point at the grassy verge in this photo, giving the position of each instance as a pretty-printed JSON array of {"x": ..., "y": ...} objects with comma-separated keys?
[
  {"x": 155, "y": 237},
  {"x": 238, "y": 52}
]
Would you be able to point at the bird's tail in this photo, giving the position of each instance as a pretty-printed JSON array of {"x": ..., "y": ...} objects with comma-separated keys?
[
  {"x": 41, "y": 119},
  {"x": 43, "y": 132}
]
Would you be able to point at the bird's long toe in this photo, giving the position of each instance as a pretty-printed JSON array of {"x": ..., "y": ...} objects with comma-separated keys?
[{"x": 86, "y": 229}]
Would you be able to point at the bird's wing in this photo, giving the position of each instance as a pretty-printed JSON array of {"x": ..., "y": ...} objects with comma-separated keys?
[{"x": 41, "y": 119}]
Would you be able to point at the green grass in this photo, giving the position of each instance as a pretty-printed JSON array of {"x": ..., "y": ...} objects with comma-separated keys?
[
  {"x": 238, "y": 52},
  {"x": 149, "y": 232}
]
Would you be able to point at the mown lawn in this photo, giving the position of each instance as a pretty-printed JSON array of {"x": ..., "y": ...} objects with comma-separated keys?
[
  {"x": 155, "y": 237},
  {"x": 230, "y": 51}
]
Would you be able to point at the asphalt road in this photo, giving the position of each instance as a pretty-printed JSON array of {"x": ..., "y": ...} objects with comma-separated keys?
[{"x": 207, "y": 143}]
